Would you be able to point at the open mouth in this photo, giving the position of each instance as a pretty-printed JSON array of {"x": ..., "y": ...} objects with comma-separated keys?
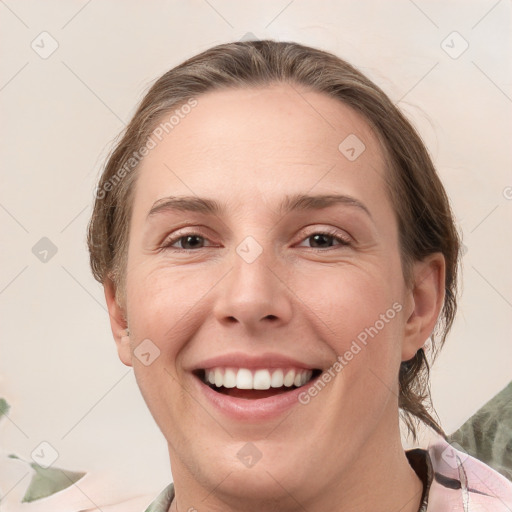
[{"x": 253, "y": 384}]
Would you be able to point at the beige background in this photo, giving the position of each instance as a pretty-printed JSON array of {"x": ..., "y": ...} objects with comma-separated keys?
[{"x": 58, "y": 366}]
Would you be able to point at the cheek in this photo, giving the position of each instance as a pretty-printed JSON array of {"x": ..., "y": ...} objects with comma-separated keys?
[
  {"x": 162, "y": 308},
  {"x": 349, "y": 299},
  {"x": 358, "y": 312},
  {"x": 167, "y": 306},
  {"x": 168, "y": 294}
]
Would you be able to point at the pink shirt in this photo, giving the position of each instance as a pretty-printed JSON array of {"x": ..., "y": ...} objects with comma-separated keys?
[{"x": 461, "y": 483}]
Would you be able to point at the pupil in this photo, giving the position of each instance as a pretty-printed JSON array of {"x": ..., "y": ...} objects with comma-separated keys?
[
  {"x": 316, "y": 237},
  {"x": 190, "y": 237}
]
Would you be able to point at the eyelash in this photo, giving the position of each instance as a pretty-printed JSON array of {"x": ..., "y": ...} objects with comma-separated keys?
[{"x": 343, "y": 241}]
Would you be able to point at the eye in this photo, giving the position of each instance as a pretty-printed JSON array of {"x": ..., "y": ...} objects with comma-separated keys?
[
  {"x": 188, "y": 242},
  {"x": 193, "y": 241},
  {"x": 323, "y": 239}
]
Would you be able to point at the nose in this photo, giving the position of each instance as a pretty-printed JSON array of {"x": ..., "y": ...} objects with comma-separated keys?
[{"x": 254, "y": 294}]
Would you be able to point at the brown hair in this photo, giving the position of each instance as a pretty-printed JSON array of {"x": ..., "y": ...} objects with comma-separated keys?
[{"x": 425, "y": 220}]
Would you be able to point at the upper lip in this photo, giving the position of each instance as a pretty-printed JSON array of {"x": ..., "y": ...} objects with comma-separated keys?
[{"x": 241, "y": 360}]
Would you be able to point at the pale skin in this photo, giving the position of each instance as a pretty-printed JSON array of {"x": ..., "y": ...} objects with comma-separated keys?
[{"x": 248, "y": 149}]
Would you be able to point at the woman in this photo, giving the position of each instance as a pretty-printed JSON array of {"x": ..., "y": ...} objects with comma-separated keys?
[{"x": 276, "y": 251}]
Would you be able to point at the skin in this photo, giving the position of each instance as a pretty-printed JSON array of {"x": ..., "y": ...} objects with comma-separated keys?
[{"x": 247, "y": 149}]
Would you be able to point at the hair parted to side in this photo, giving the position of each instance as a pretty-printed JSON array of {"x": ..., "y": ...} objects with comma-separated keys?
[{"x": 425, "y": 220}]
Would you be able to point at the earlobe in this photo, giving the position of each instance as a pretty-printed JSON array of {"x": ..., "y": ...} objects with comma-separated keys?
[
  {"x": 124, "y": 348},
  {"x": 118, "y": 323},
  {"x": 427, "y": 299}
]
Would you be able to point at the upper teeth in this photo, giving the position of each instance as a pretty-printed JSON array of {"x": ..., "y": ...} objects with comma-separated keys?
[{"x": 243, "y": 378}]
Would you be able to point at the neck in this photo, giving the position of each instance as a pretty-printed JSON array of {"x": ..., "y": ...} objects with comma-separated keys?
[{"x": 379, "y": 478}]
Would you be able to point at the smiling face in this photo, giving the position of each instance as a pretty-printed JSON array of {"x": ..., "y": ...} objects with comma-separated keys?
[{"x": 240, "y": 272}]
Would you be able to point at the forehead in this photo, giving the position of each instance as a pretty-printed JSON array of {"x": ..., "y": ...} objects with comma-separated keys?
[{"x": 263, "y": 140}]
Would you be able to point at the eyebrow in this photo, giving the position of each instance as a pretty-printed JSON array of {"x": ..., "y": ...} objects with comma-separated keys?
[{"x": 301, "y": 202}]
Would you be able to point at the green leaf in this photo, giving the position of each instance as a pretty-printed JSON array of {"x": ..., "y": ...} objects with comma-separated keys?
[
  {"x": 48, "y": 481},
  {"x": 4, "y": 407}
]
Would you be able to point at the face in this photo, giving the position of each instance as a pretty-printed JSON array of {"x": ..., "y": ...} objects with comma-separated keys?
[{"x": 301, "y": 298}]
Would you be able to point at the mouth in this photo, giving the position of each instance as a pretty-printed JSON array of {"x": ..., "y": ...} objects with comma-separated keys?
[{"x": 254, "y": 384}]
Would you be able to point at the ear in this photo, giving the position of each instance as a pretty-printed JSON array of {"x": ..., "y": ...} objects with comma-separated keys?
[
  {"x": 424, "y": 303},
  {"x": 118, "y": 323}
]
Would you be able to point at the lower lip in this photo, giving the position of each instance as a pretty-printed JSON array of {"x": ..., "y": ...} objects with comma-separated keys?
[{"x": 259, "y": 409}]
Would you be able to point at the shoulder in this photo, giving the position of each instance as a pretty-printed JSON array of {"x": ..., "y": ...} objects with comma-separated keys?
[
  {"x": 462, "y": 482},
  {"x": 163, "y": 500},
  {"x": 487, "y": 435}
]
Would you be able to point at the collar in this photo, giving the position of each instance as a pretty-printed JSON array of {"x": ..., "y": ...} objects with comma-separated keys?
[{"x": 419, "y": 459}]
